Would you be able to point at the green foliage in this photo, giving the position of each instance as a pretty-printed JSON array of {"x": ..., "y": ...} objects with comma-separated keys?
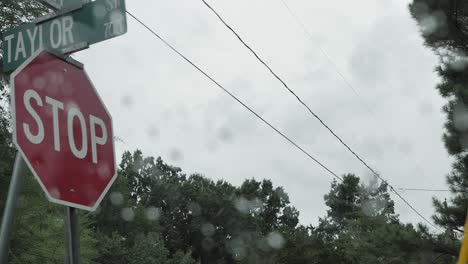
[
  {"x": 13, "y": 13},
  {"x": 215, "y": 221},
  {"x": 7, "y": 154},
  {"x": 144, "y": 249},
  {"x": 444, "y": 26},
  {"x": 182, "y": 258},
  {"x": 362, "y": 227},
  {"x": 156, "y": 214},
  {"x": 38, "y": 235}
]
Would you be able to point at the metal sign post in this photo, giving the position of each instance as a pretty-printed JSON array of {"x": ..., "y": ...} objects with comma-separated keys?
[
  {"x": 72, "y": 233},
  {"x": 10, "y": 207}
]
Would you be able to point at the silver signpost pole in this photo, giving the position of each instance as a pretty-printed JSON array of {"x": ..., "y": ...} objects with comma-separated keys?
[
  {"x": 11, "y": 205},
  {"x": 72, "y": 232}
]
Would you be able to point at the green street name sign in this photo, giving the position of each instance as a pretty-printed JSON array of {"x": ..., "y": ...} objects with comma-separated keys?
[{"x": 94, "y": 22}]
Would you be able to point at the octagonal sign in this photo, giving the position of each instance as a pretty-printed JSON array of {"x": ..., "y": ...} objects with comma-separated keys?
[{"x": 63, "y": 130}]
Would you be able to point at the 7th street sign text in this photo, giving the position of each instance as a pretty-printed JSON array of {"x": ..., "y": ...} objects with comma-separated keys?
[{"x": 94, "y": 22}]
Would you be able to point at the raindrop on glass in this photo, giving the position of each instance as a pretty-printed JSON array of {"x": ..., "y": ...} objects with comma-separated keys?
[
  {"x": 153, "y": 132},
  {"x": 127, "y": 214},
  {"x": 152, "y": 213},
  {"x": 127, "y": 101},
  {"x": 175, "y": 154},
  {"x": 275, "y": 240},
  {"x": 460, "y": 117},
  {"x": 116, "y": 198},
  {"x": 225, "y": 134},
  {"x": 99, "y": 11},
  {"x": 207, "y": 229},
  {"x": 194, "y": 208}
]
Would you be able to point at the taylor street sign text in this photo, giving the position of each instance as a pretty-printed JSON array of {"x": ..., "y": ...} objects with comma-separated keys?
[{"x": 94, "y": 22}]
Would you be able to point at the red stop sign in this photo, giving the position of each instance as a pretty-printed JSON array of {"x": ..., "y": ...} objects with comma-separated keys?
[{"x": 63, "y": 130}]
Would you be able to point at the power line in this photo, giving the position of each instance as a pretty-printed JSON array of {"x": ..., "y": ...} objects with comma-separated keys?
[
  {"x": 286, "y": 86},
  {"x": 430, "y": 190},
  {"x": 312, "y": 112},
  {"x": 338, "y": 71},
  {"x": 325, "y": 54},
  {"x": 234, "y": 97}
]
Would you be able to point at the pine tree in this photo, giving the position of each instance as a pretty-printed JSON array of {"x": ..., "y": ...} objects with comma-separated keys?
[{"x": 444, "y": 26}]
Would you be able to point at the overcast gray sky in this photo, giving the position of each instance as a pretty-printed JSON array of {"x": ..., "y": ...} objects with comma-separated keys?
[{"x": 164, "y": 107}]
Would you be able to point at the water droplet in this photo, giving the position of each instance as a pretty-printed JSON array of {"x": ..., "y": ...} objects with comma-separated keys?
[
  {"x": 242, "y": 205},
  {"x": 373, "y": 207},
  {"x": 152, "y": 213},
  {"x": 460, "y": 117},
  {"x": 464, "y": 141},
  {"x": 152, "y": 132},
  {"x": 103, "y": 171},
  {"x": 175, "y": 154},
  {"x": 237, "y": 248},
  {"x": 99, "y": 11},
  {"x": 55, "y": 193},
  {"x": 67, "y": 88},
  {"x": 55, "y": 78},
  {"x": 420, "y": 8},
  {"x": 405, "y": 147},
  {"x": 127, "y": 101},
  {"x": 208, "y": 243},
  {"x": 194, "y": 208},
  {"x": 22, "y": 78},
  {"x": 426, "y": 109},
  {"x": 127, "y": 214},
  {"x": 97, "y": 211},
  {"x": 459, "y": 64},
  {"x": 71, "y": 105},
  {"x": 211, "y": 146},
  {"x": 275, "y": 240},
  {"x": 207, "y": 229},
  {"x": 434, "y": 23},
  {"x": 225, "y": 134},
  {"x": 116, "y": 198},
  {"x": 116, "y": 15},
  {"x": 247, "y": 206},
  {"x": 39, "y": 83}
]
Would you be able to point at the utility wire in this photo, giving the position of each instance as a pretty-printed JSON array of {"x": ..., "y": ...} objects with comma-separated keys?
[
  {"x": 234, "y": 97},
  {"x": 338, "y": 71},
  {"x": 287, "y": 87},
  {"x": 314, "y": 114},
  {"x": 325, "y": 54},
  {"x": 430, "y": 190}
]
